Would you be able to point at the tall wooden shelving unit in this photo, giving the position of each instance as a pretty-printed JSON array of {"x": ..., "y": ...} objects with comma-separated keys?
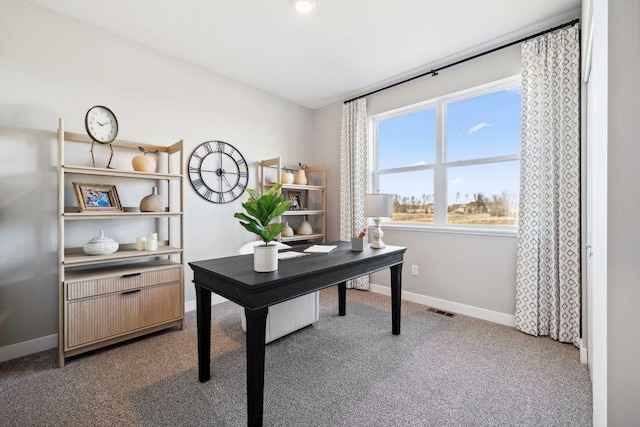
[
  {"x": 105, "y": 299},
  {"x": 313, "y": 198}
]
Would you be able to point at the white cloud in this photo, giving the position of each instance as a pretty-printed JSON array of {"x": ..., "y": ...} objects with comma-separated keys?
[
  {"x": 419, "y": 163},
  {"x": 476, "y": 128},
  {"x": 457, "y": 181}
]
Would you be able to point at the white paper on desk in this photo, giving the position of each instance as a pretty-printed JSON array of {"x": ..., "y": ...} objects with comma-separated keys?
[
  {"x": 320, "y": 249},
  {"x": 290, "y": 254}
]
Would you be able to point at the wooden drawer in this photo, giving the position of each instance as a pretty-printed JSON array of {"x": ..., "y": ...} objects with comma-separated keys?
[
  {"x": 102, "y": 317},
  {"x": 124, "y": 281}
]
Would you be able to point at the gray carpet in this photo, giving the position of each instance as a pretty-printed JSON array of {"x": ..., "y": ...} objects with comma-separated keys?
[{"x": 342, "y": 371}]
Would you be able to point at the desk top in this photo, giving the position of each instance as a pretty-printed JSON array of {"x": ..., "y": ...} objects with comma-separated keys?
[{"x": 234, "y": 278}]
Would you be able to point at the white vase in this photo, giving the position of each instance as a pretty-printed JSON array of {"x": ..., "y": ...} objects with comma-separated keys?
[
  {"x": 152, "y": 203},
  {"x": 304, "y": 228},
  {"x": 265, "y": 258},
  {"x": 287, "y": 231}
]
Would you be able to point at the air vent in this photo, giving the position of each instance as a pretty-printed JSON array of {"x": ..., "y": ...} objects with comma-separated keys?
[{"x": 444, "y": 313}]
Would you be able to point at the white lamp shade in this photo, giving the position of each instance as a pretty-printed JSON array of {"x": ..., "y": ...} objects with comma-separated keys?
[{"x": 378, "y": 205}]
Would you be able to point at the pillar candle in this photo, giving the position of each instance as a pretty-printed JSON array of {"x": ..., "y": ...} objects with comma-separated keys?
[
  {"x": 141, "y": 243},
  {"x": 152, "y": 245}
]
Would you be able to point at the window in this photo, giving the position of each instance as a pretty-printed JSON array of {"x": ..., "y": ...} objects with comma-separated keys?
[{"x": 453, "y": 161}]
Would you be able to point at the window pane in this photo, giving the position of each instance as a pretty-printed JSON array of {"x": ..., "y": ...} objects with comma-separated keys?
[
  {"x": 484, "y": 126},
  {"x": 413, "y": 195},
  {"x": 483, "y": 194},
  {"x": 407, "y": 140}
]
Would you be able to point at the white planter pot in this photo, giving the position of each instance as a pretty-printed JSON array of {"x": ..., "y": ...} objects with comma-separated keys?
[{"x": 265, "y": 258}]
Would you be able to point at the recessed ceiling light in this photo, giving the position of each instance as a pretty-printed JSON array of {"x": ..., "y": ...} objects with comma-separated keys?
[{"x": 304, "y": 6}]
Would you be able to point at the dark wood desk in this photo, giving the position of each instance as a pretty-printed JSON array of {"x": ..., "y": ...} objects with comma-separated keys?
[{"x": 234, "y": 279}]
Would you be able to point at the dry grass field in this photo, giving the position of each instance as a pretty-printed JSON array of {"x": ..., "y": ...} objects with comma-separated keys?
[{"x": 454, "y": 218}]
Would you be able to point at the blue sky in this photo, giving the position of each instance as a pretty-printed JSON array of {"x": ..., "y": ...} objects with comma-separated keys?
[{"x": 483, "y": 126}]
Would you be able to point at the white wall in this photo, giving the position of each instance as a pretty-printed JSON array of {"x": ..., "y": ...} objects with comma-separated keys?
[
  {"x": 469, "y": 274},
  {"x": 52, "y": 66},
  {"x": 623, "y": 233}
]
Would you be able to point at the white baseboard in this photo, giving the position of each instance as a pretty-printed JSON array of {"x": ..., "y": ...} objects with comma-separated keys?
[
  {"x": 584, "y": 353},
  {"x": 37, "y": 345},
  {"x": 215, "y": 299},
  {"x": 450, "y": 306},
  {"x": 26, "y": 348}
]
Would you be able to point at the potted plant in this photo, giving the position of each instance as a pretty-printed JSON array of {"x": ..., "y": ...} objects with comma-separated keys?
[{"x": 261, "y": 210}]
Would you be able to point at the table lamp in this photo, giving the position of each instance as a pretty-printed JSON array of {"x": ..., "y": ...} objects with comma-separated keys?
[{"x": 377, "y": 205}]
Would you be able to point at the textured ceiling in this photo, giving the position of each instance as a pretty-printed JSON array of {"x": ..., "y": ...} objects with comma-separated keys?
[{"x": 342, "y": 49}]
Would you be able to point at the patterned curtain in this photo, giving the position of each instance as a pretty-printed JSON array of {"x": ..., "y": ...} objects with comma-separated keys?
[
  {"x": 353, "y": 175},
  {"x": 548, "y": 270}
]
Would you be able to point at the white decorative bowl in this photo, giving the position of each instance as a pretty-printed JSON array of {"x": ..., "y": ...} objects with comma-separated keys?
[{"x": 100, "y": 245}]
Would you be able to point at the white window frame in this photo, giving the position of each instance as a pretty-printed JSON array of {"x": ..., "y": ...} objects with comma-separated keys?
[{"x": 441, "y": 166}]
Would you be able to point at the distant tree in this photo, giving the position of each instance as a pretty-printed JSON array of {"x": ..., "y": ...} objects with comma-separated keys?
[
  {"x": 423, "y": 200},
  {"x": 501, "y": 204},
  {"x": 396, "y": 203},
  {"x": 404, "y": 204},
  {"x": 480, "y": 202}
]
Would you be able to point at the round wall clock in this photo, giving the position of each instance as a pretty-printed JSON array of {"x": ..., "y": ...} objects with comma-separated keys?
[
  {"x": 101, "y": 124},
  {"x": 218, "y": 172}
]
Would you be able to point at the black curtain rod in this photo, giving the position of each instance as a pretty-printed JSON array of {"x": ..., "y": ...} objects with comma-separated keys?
[{"x": 434, "y": 72}]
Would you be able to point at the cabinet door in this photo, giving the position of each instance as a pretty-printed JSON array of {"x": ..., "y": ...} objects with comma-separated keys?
[{"x": 94, "y": 319}]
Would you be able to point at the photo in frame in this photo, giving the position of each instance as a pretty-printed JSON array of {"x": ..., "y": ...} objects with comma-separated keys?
[
  {"x": 97, "y": 197},
  {"x": 296, "y": 201}
]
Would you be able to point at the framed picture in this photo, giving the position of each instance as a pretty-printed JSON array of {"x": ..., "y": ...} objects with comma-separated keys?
[
  {"x": 97, "y": 197},
  {"x": 296, "y": 201}
]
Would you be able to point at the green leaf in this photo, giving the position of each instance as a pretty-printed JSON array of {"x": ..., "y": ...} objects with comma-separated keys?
[{"x": 261, "y": 210}]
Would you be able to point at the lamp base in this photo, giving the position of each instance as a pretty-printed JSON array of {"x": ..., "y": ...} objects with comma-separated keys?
[{"x": 376, "y": 236}]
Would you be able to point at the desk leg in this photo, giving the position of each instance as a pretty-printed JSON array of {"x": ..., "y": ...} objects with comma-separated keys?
[
  {"x": 203, "y": 315},
  {"x": 396, "y": 291},
  {"x": 256, "y": 325},
  {"x": 342, "y": 298}
]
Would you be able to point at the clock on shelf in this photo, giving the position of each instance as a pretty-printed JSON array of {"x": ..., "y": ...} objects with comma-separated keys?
[
  {"x": 218, "y": 171},
  {"x": 102, "y": 126}
]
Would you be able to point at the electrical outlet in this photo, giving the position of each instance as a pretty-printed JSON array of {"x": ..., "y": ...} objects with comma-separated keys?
[{"x": 414, "y": 270}]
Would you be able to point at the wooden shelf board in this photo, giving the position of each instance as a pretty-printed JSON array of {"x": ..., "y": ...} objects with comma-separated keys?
[
  {"x": 72, "y": 258},
  {"x": 298, "y": 237},
  {"x": 296, "y": 186},
  {"x": 81, "y": 137},
  {"x": 86, "y": 170},
  {"x": 71, "y": 213},
  {"x": 299, "y": 213}
]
